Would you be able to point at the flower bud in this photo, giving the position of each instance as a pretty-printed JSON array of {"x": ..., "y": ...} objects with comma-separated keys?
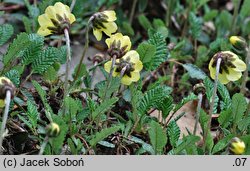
[
  {"x": 53, "y": 130},
  {"x": 238, "y": 42},
  {"x": 237, "y": 146},
  {"x": 199, "y": 88},
  {"x": 6, "y": 85}
]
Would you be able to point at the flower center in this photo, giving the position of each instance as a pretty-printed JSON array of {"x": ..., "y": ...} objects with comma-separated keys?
[
  {"x": 226, "y": 62},
  {"x": 125, "y": 63},
  {"x": 116, "y": 49},
  {"x": 60, "y": 24}
]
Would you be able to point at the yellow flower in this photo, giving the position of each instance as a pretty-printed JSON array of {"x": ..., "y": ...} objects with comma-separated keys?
[
  {"x": 238, "y": 42},
  {"x": 55, "y": 19},
  {"x": 237, "y": 146},
  {"x": 5, "y": 85},
  {"x": 118, "y": 45},
  {"x": 104, "y": 22},
  {"x": 133, "y": 66},
  {"x": 230, "y": 68}
]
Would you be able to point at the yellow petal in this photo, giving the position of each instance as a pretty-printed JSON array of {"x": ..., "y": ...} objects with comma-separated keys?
[
  {"x": 98, "y": 34},
  {"x": 2, "y": 103},
  {"x": 51, "y": 12},
  {"x": 126, "y": 80},
  {"x": 138, "y": 66},
  {"x": 111, "y": 15},
  {"x": 44, "y": 31},
  {"x": 125, "y": 40},
  {"x": 107, "y": 66},
  {"x": 211, "y": 63},
  {"x": 240, "y": 65},
  {"x": 115, "y": 74},
  {"x": 233, "y": 75},
  {"x": 111, "y": 27},
  {"x": 132, "y": 55},
  {"x": 44, "y": 21},
  {"x": 72, "y": 18},
  {"x": 212, "y": 72},
  {"x": 223, "y": 78},
  {"x": 61, "y": 10},
  {"x": 135, "y": 76}
]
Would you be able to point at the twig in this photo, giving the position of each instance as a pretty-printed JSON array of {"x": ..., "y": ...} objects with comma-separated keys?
[
  {"x": 198, "y": 112},
  {"x": 5, "y": 116},
  {"x": 132, "y": 11},
  {"x": 213, "y": 101},
  {"x": 245, "y": 75}
]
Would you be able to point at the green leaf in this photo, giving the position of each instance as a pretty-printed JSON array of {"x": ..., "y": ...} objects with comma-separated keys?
[
  {"x": 144, "y": 22},
  {"x": 158, "y": 137},
  {"x": 32, "y": 114},
  {"x": 174, "y": 132},
  {"x": 46, "y": 59},
  {"x": 147, "y": 147},
  {"x": 209, "y": 92},
  {"x": 190, "y": 97},
  {"x": 245, "y": 12},
  {"x": 146, "y": 52},
  {"x": 239, "y": 106},
  {"x": 161, "y": 53},
  {"x": 57, "y": 142},
  {"x": 104, "y": 133},
  {"x": 142, "y": 5},
  {"x": 14, "y": 76},
  {"x": 128, "y": 28},
  {"x": 27, "y": 24},
  {"x": 152, "y": 98},
  {"x": 21, "y": 42},
  {"x": 226, "y": 100},
  {"x": 113, "y": 87},
  {"x": 166, "y": 106},
  {"x": 104, "y": 107},
  {"x": 225, "y": 117},
  {"x": 187, "y": 141},
  {"x": 33, "y": 51},
  {"x": 50, "y": 74},
  {"x": 194, "y": 71},
  {"x": 106, "y": 144},
  {"x": 6, "y": 31},
  {"x": 195, "y": 24},
  {"x": 223, "y": 143}
]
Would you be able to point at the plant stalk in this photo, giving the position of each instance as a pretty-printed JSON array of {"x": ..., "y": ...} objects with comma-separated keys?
[
  {"x": 132, "y": 11},
  {"x": 245, "y": 75},
  {"x": 198, "y": 111},
  {"x": 213, "y": 100},
  {"x": 5, "y": 117},
  {"x": 66, "y": 91},
  {"x": 86, "y": 46},
  {"x": 45, "y": 142},
  {"x": 235, "y": 14}
]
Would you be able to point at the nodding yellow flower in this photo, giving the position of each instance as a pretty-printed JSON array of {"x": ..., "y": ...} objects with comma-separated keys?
[
  {"x": 237, "y": 146},
  {"x": 238, "y": 42},
  {"x": 55, "y": 19},
  {"x": 129, "y": 64},
  {"x": 6, "y": 85},
  {"x": 104, "y": 22},
  {"x": 118, "y": 45},
  {"x": 230, "y": 68}
]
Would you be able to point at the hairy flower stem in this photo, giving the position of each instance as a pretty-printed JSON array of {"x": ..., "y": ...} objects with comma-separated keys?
[
  {"x": 198, "y": 111},
  {"x": 245, "y": 75},
  {"x": 5, "y": 116},
  {"x": 132, "y": 11},
  {"x": 110, "y": 74},
  {"x": 45, "y": 142},
  {"x": 213, "y": 101},
  {"x": 86, "y": 46},
  {"x": 66, "y": 87}
]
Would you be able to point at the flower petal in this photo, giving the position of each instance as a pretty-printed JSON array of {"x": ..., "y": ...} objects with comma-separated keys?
[
  {"x": 240, "y": 65},
  {"x": 135, "y": 76},
  {"x": 72, "y": 18},
  {"x": 132, "y": 55},
  {"x": 138, "y": 66},
  {"x": 126, "y": 80},
  {"x": 107, "y": 66},
  {"x": 233, "y": 75},
  {"x": 2, "y": 103},
  {"x": 111, "y": 15},
  {"x": 223, "y": 78},
  {"x": 98, "y": 34},
  {"x": 51, "y": 12},
  {"x": 111, "y": 27},
  {"x": 44, "y": 31},
  {"x": 44, "y": 21}
]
